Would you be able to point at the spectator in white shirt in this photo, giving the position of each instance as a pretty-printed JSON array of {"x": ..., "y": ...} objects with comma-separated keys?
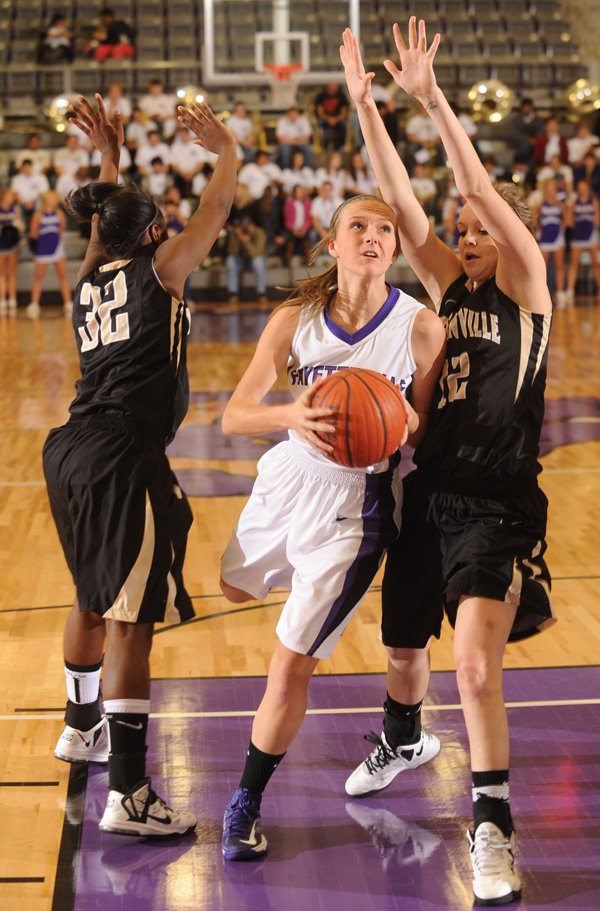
[
  {"x": 561, "y": 173},
  {"x": 240, "y": 125},
  {"x": 424, "y": 187},
  {"x": 160, "y": 107},
  {"x": 184, "y": 206},
  {"x": 29, "y": 187},
  {"x": 201, "y": 180},
  {"x": 125, "y": 163},
  {"x": 67, "y": 183},
  {"x": 298, "y": 174},
  {"x": 154, "y": 148},
  {"x": 157, "y": 180},
  {"x": 322, "y": 208},
  {"x": 187, "y": 159},
  {"x": 293, "y": 133},
  {"x": 361, "y": 179},
  {"x": 70, "y": 158},
  {"x": 334, "y": 172},
  {"x": 260, "y": 174},
  {"x": 38, "y": 156},
  {"x": 581, "y": 143},
  {"x": 116, "y": 100},
  {"x": 136, "y": 131},
  {"x": 422, "y": 136}
]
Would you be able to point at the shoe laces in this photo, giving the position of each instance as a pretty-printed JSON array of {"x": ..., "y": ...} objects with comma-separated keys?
[
  {"x": 152, "y": 798},
  {"x": 490, "y": 855},
  {"x": 241, "y": 813},
  {"x": 381, "y": 756}
]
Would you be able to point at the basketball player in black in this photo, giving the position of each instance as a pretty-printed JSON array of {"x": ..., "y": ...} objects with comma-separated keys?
[
  {"x": 122, "y": 519},
  {"x": 474, "y": 518}
]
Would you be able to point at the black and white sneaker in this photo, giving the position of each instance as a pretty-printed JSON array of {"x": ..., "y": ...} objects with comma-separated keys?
[
  {"x": 142, "y": 812},
  {"x": 398, "y": 843},
  {"x": 83, "y": 746},
  {"x": 383, "y": 764}
]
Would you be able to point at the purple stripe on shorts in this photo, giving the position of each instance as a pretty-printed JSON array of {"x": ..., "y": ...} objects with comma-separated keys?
[{"x": 378, "y": 531}]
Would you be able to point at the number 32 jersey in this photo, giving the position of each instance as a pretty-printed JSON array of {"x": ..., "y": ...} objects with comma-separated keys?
[
  {"x": 487, "y": 411},
  {"x": 131, "y": 336}
]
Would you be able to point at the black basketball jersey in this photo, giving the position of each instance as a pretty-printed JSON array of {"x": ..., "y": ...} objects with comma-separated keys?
[
  {"x": 487, "y": 411},
  {"x": 131, "y": 335}
]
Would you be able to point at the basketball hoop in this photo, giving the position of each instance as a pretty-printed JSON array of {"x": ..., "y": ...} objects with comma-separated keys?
[
  {"x": 284, "y": 80},
  {"x": 282, "y": 72}
]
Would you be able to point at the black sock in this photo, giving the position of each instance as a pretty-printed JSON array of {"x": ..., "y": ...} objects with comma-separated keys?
[
  {"x": 127, "y": 759},
  {"x": 258, "y": 769},
  {"x": 125, "y": 770},
  {"x": 490, "y": 800},
  {"x": 83, "y": 716},
  {"x": 401, "y": 723}
]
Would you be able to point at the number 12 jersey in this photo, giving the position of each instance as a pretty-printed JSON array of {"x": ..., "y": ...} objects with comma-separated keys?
[{"x": 487, "y": 411}]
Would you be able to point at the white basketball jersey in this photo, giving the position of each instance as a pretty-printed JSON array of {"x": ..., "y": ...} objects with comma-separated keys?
[{"x": 320, "y": 347}]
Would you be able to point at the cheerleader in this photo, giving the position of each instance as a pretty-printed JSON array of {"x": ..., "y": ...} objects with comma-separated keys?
[
  {"x": 11, "y": 226},
  {"x": 46, "y": 230},
  {"x": 552, "y": 216},
  {"x": 585, "y": 213}
]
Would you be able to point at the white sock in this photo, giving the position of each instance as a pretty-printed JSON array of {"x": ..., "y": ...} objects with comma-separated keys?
[
  {"x": 127, "y": 706},
  {"x": 82, "y": 686}
]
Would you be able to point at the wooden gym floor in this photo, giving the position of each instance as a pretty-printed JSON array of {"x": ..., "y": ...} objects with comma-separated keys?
[{"x": 37, "y": 371}]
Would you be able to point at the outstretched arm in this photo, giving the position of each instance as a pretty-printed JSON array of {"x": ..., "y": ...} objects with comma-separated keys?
[
  {"x": 106, "y": 134},
  {"x": 180, "y": 255},
  {"x": 435, "y": 265},
  {"x": 521, "y": 271}
]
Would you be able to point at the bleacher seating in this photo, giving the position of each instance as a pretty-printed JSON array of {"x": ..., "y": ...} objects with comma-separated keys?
[
  {"x": 478, "y": 37},
  {"x": 527, "y": 44}
]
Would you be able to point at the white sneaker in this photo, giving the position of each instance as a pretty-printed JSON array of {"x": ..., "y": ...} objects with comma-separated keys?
[
  {"x": 398, "y": 843},
  {"x": 142, "y": 812},
  {"x": 68, "y": 309},
  {"x": 12, "y": 305},
  {"x": 492, "y": 855},
  {"x": 84, "y": 746},
  {"x": 381, "y": 767},
  {"x": 33, "y": 311}
]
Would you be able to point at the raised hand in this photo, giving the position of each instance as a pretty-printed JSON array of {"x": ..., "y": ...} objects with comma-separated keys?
[
  {"x": 357, "y": 80},
  {"x": 104, "y": 132},
  {"x": 211, "y": 132},
  {"x": 416, "y": 75}
]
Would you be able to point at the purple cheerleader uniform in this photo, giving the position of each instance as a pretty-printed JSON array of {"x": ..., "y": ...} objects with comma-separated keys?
[
  {"x": 49, "y": 248},
  {"x": 584, "y": 227},
  {"x": 551, "y": 233}
]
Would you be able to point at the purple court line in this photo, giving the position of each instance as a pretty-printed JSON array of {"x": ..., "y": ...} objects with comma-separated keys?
[{"x": 402, "y": 849}]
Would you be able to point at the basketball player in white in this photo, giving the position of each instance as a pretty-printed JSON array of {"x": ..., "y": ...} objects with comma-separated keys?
[{"x": 311, "y": 525}]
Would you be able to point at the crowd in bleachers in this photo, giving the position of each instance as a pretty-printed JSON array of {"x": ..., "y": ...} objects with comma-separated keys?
[{"x": 290, "y": 183}]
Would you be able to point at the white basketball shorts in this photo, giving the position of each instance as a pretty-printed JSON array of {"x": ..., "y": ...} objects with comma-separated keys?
[{"x": 316, "y": 530}]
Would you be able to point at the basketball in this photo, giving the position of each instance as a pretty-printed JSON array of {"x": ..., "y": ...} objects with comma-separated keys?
[{"x": 370, "y": 416}]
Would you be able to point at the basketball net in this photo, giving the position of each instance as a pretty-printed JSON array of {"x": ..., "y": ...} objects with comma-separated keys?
[{"x": 284, "y": 83}]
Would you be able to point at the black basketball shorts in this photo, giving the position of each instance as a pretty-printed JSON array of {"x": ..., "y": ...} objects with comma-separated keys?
[
  {"x": 451, "y": 546},
  {"x": 121, "y": 517}
]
